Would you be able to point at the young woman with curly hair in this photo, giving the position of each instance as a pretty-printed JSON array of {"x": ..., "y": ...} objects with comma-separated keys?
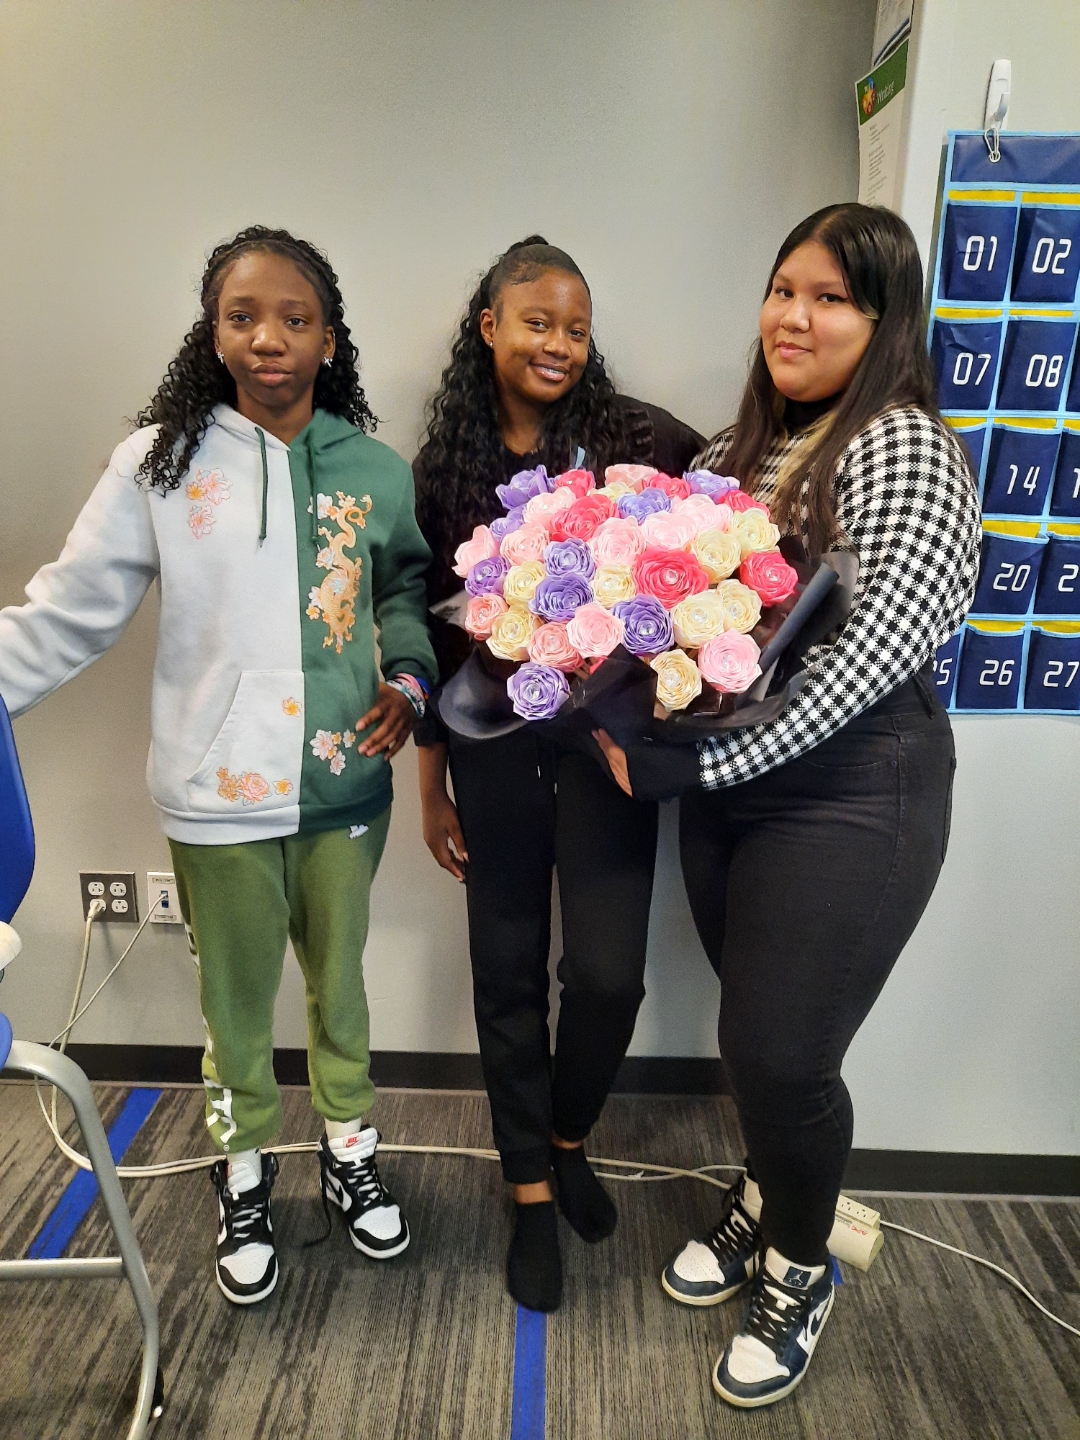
[
  {"x": 527, "y": 386},
  {"x": 280, "y": 533}
]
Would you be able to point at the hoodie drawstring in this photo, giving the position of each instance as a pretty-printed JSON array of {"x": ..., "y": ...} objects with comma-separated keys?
[
  {"x": 314, "y": 497},
  {"x": 265, "y": 480}
]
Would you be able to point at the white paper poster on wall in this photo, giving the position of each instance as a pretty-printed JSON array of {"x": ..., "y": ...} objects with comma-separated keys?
[
  {"x": 880, "y": 98},
  {"x": 891, "y": 25}
]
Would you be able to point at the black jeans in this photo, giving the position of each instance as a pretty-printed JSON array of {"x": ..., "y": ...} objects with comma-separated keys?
[
  {"x": 525, "y": 806},
  {"x": 805, "y": 885}
]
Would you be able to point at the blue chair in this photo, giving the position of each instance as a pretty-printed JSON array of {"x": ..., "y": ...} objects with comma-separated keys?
[{"x": 16, "y": 868}]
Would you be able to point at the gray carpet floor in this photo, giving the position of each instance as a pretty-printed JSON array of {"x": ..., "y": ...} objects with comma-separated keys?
[{"x": 924, "y": 1345}]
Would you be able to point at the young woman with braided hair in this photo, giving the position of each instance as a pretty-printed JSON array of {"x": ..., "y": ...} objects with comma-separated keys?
[
  {"x": 281, "y": 533},
  {"x": 526, "y": 386}
]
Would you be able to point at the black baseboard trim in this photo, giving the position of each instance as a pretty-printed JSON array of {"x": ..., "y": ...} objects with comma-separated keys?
[
  {"x": 392, "y": 1069},
  {"x": 913, "y": 1171}
]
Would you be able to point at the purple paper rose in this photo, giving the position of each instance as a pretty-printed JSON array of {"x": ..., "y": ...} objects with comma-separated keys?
[
  {"x": 704, "y": 482},
  {"x": 646, "y": 625},
  {"x": 507, "y": 524},
  {"x": 639, "y": 507},
  {"x": 537, "y": 691},
  {"x": 559, "y": 596},
  {"x": 523, "y": 486},
  {"x": 570, "y": 557},
  {"x": 486, "y": 576}
]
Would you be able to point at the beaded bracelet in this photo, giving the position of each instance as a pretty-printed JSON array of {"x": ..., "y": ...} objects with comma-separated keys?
[{"x": 414, "y": 690}]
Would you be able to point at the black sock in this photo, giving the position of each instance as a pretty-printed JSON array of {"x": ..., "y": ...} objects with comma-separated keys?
[
  {"x": 582, "y": 1199},
  {"x": 534, "y": 1265}
]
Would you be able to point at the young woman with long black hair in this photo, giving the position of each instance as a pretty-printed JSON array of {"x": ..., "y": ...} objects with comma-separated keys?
[
  {"x": 812, "y": 843},
  {"x": 526, "y": 386}
]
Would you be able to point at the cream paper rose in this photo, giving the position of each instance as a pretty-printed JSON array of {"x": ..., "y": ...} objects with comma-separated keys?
[
  {"x": 755, "y": 531},
  {"x": 510, "y": 633},
  {"x": 740, "y": 604},
  {"x": 698, "y": 618},
  {"x": 615, "y": 489},
  {"x": 718, "y": 552},
  {"x": 613, "y": 583},
  {"x": 520, "y": 582},
  {"x": 678, "y": 679}
]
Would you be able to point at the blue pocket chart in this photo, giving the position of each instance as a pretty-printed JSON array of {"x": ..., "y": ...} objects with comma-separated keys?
[
  {"x": 1020, "y": 471},
  {"x": 1058, "y": 591},
  {"x": 976, "y": 256},
  {"x": 1035, "y": 363},
  {"x": 1005, "y": 350},
  {"x": 965, "y": 357},
  {"x": 1008, "y": 575},
  {"x": 1053, "y": 669},
  {"x": 1047, "y": 254},
  {"x": 990, "y": 666},
  {"x": 945, "y": 663},
  {"x": 1066, "y": 500}
]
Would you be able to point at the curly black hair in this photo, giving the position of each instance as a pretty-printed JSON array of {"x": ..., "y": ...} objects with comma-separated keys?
[
  {"x": 196, "y": 380},
  {"x": 462, "y": 455}
]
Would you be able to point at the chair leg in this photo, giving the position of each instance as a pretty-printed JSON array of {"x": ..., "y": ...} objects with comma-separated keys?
[{"x": 58, "y": 1070}]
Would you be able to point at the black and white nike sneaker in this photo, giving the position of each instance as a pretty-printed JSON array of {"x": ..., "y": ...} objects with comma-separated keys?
[
  {"x": 246, "y": 1265},
  {"x": 789, "y": 1305},
  {"x": 707, "y": 1271},
  {"x": 350, "y": 1180}
]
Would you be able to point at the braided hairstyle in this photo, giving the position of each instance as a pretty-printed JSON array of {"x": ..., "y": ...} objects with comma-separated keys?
[
  {"x": 196, "y": 380},
  {"x": 462, "y": 456}
]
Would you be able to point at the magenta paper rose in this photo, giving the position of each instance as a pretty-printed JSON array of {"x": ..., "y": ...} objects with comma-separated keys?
[
  {"x": 730, "y": 662},
  {"x": 767, "y": 572},
  {"x": 740, "y": 501},
  {"x": 579, "y": 481}
]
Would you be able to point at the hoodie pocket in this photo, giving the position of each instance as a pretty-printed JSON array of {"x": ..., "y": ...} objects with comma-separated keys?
[{"x": 255, "y": 759}]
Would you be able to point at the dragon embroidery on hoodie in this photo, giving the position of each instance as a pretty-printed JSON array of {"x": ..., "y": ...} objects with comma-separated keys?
[{"x": 334, "y": 600}]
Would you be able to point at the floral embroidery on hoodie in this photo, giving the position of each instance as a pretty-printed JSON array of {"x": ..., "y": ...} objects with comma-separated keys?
[
  {"x": 331, "y": 745},
  {"x": 209, "y": 488},
  {"x": 334, "y": 600}
]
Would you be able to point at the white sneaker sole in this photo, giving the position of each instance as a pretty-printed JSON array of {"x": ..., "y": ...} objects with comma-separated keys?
[
  {"x": 744, "y": 1402},
  {"x": 702, "y": 1300},
  {"x": 247, "y": 1299}
]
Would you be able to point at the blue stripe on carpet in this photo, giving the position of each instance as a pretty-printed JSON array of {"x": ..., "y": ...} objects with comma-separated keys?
[
  {"x": 71, "y": 1209},
  {"x": 530, "y": 1356}
]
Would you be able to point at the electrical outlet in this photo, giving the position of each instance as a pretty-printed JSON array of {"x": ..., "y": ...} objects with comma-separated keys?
[
  {"x": 116, "y": 888},
  {"x": 161, "y": 887}
]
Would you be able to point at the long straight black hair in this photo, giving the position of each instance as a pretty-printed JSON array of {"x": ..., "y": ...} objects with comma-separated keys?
[{"x": 877, "y": 254}]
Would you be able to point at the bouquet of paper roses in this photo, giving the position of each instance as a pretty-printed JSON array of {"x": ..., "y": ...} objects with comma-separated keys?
[{"x": 678, "y": 571}]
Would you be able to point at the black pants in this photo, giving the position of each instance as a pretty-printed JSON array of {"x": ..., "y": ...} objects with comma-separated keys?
[
  {"x": 526, "y": 805},
  {"x": 805, "y": 885}
]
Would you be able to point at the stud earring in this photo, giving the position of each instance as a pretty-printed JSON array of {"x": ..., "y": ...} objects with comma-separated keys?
[
  {"x": 221, "y": 356},
  {"x": 327, "y": 360}
]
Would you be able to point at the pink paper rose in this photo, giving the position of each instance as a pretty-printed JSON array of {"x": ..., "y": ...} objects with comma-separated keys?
[
  {"x": 669, "y": 576},
  {"x": 584, "y": 517},
  {"x": 672, "y": 485},
  {"x": 542, "y": 509},
  {"x": 767, "y": 572},
  {"x": 580, "y": 482},
  {"x": 481, "y": 612},
  {"x": 528, "y": 543},
  {"x": 481, "y": 546},
  {"x": 668, "y": 530},
  {"x": 706, "y": 515},
  {"x": 636, "y": 476},
  {"x": 617, "y": 542},
  {"x": 594, "y": 631},
  {"x": 739, "y": 501},
  {"x": 550, "y": 645},
  {"x": 729, "y": 662}
]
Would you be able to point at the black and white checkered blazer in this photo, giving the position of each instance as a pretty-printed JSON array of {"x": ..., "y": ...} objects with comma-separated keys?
[{"x": 906, "y": 503}]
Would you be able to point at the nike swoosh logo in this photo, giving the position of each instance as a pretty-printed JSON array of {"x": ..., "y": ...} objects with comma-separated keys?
[{"x": 814, "y": 1322}]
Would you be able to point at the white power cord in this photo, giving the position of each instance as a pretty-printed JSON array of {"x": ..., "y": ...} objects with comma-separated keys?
[{"x": 659, "y": 1172}]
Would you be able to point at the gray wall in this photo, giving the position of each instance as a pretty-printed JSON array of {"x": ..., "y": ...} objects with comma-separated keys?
[{"x": 668, "y": 147}]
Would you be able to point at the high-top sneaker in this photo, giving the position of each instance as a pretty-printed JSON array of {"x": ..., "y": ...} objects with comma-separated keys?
[
  {"x": 789, "y": 1305},
  {"x": 246, "y": 1266},
  {"x": 710, "y": 1270},
  {"x": 351, "y": 1181}
]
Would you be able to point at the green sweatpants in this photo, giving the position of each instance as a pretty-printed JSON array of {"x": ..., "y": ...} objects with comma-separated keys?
[{"x": 241, "y": 903}]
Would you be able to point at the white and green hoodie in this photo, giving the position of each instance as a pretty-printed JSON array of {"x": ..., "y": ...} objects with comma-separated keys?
[{"x": 275, "y": 563}]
